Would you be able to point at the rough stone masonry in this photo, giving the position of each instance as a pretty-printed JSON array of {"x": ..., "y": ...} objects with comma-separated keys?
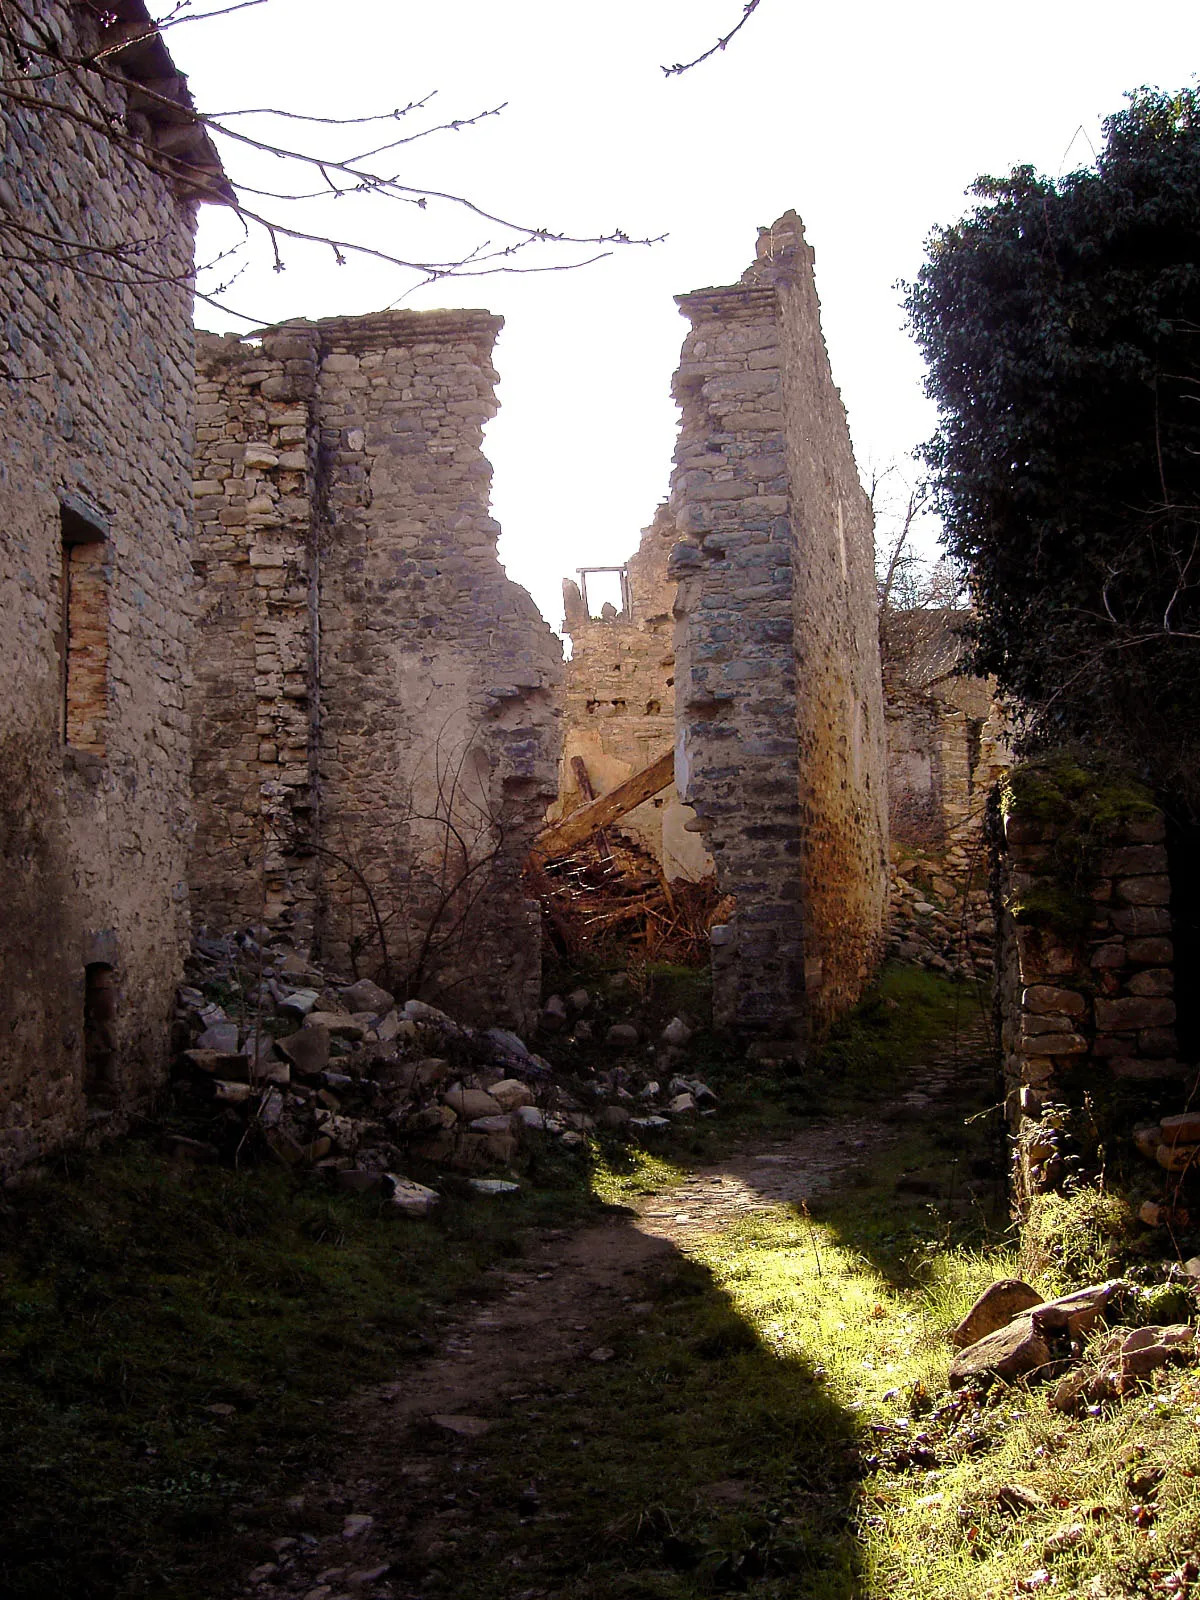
[
  {"x": 619, "y": 702},
  {"x": 779, "y": 709},
  {"x": 376, "y": 725},
  {"x": 95, "y": 452}
]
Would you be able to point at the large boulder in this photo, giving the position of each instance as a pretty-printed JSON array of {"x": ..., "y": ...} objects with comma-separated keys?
[
  {"x": 995, "y": 1308},
  {"x": 1011, "y": 1352},
  {"x": 471, "y": 1103},
  {"x": 367, "y": 996},
  {"x": 510, "y": 1093},
  {"x": 1035, "y": 1340},
  {"x": 307, "y": 1050}
]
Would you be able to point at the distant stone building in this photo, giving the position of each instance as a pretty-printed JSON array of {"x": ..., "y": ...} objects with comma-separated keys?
[
  {"x": 619, "y": 702},
  {"x": 779, "y": 710},
  {"x": 376, "y": 723},
  {"x": 95, "y": 450},
  {"x": 947, "y": 736}
]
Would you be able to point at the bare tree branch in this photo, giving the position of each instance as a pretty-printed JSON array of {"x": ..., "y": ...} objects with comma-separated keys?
[
  {"x": 170, "y": 136},
  {"x": 680, "y": 67}
]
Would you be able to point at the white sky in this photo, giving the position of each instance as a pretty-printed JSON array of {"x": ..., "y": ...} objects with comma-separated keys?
[{"x": 870, "y": 119}]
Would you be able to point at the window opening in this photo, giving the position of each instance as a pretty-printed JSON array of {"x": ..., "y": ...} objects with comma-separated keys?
[
  {"x": 99, "y": 1030},
  {"x": 607, "y": 583},
  {"x": 84, "y": 636}
]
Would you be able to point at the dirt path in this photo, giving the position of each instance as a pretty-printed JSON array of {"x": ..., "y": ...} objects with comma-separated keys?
[{"x": 389, "y": 1515}]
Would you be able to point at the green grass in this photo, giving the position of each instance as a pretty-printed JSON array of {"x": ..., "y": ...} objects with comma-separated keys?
[
  {"x": 137, "y": 1294},
  {"x": 726, "y": 1446},
  {"x": 781, "y": 1424},
  {"x": 773, "y": 1419}
]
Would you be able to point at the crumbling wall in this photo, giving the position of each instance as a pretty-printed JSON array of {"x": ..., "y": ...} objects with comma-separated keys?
[
  {"x": 254, "y": 690},
  {"x": 778, "y": 701},
  {"x": 947, "y": 747},
  {"x": 95, "y": 441},
  {"x": 948, "y": 736},
  {"x": 382, "y": 773},
  {"x": 619, "y": 703},
  {"x": 914, "y": 767},
  {"x": 1085, "y": 981}
]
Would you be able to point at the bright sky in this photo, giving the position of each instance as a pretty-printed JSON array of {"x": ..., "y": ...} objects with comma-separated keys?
[{"x": 870, "y": 119}]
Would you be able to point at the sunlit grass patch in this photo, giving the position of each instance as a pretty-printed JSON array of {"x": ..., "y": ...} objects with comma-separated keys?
[
  {"x": 960, "y": 1501},
  {"x": 1101, "y": 1505},
  {"x": 620, "y": 1173}
]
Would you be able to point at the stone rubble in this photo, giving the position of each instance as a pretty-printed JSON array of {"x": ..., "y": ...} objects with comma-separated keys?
[
  {"x": 939, "y": 915},
  {"x": 1174, "y": 1143},
  {"x": 334, "y": 1075},
  {"x": 1064, "y": 1339}
]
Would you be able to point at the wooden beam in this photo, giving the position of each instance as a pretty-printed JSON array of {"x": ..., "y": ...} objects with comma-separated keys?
[
  {"x": 579, "y": 768},
  {"x": 562, "y": 837}
]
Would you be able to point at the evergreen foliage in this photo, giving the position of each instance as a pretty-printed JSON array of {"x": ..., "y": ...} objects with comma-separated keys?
[{"x": 1060, "y": 320}]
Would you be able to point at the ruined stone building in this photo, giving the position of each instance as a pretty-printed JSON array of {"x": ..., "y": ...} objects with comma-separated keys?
[
  {"x": 765, "y": 558},
  {"x": 374, "y": 700},
  {"x": 947, "y": 746},
  {"x": 619, "y": 701},
  {"x": 779, "y": 710},
  {"x": 95, "y": 449},
  {"x": 948, "y": 738}
]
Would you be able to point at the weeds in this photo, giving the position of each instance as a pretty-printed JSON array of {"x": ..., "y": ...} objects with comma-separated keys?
[
  {"x": 1081, "y": 1237},
  {"x": 172, "y": 1341},
  {"x": 773, "y": 1418}
]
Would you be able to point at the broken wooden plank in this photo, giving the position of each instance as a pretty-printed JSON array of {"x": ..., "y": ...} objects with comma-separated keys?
[
  {"x": 580, "y": 771},
  {"x": 579, "y": 768},
  {"x": 573, "y": 830}
]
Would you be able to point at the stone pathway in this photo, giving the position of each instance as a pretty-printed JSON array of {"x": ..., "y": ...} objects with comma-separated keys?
[{"x": 369, "y": 1532}]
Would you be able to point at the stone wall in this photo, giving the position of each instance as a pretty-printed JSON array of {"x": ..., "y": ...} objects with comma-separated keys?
[
  {"x": 947, "y": 748},
  {"x": 619, "y": 703},
  {"x": 254, "y": 687},
  {"x": 95, "y": 444},
  {"x": 778, "y": 700},
  {"x": 1085, "y": 1002},
  {"x": 378, "y": 733}
]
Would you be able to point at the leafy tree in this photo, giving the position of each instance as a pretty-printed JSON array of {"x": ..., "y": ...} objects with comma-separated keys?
[{"x": 1060, "y": 321}]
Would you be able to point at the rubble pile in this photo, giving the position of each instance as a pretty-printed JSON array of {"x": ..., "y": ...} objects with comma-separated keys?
[
  {"x": 1082, "y": 1340},
  {"x": 938, "y": 918},
  {"x": 333, "y": 1074},
  {"x": 610, "y": 894},
  {"x": 1173, "y": 1142}
]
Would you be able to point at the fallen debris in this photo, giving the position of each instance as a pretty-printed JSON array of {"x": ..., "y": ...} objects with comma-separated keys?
[
  {"x": 318, "y": 1071},
  {"x": 995, "y": 1308},
  {"x": 1064, "y": 1339},
  {"x": 615, "y": 896}
]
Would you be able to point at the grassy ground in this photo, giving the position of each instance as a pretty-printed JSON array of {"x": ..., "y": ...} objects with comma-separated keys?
[
  {"x": 174, "y": 1342},
  {"x": 780, "y": 1421},
  {"x": 728, "y": 1444}
]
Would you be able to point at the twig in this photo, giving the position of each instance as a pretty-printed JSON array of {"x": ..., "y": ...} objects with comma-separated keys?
[{"x": 680, "y": 67}]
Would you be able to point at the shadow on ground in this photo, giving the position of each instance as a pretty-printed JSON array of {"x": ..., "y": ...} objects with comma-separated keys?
[{"x": 681, "y": 1457}]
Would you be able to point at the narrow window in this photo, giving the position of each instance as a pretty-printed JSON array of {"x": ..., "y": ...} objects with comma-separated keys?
[
  {"x": 99, "y": 1030},
  {"x": 85, "y": 578},
  {"x": 974, "y": 751}
]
